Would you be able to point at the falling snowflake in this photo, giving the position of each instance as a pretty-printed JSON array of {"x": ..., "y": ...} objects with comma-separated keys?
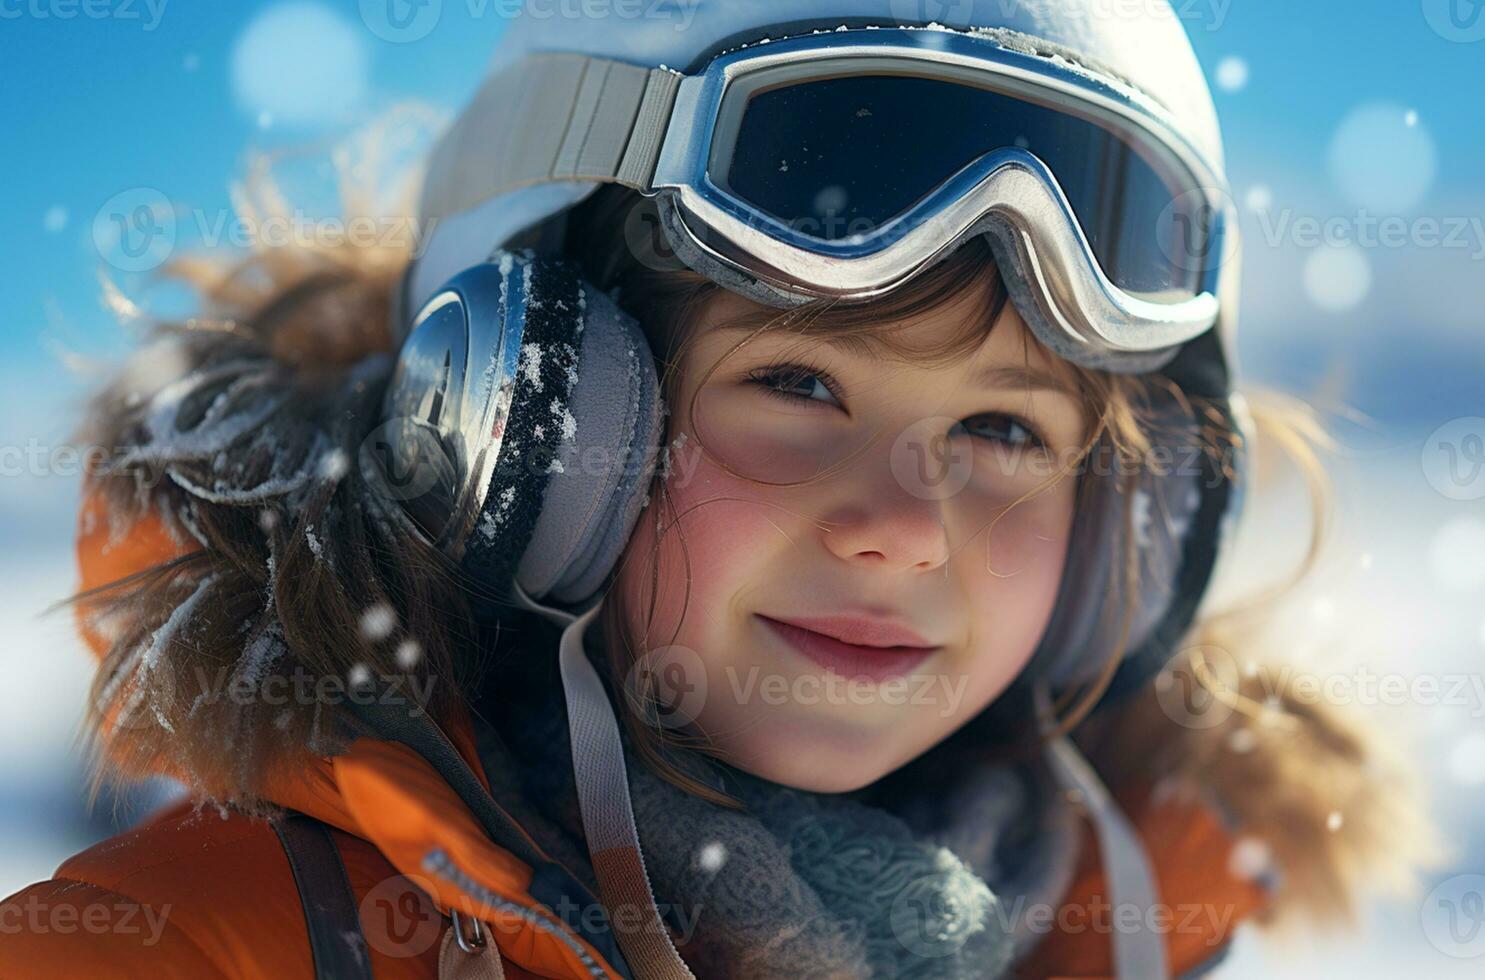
[
  {"x": 1142, "y": 518},
  {"x": 334, "y": 465},
  {"x": 409, "y": 652},
  {"x": 1249, "y": 859},
  {"x": 711, "y": 857},
  {"x": 377, "y": 622}
]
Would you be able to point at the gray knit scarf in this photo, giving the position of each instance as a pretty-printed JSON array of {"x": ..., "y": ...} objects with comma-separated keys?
[{"x": 812, "y": 885}]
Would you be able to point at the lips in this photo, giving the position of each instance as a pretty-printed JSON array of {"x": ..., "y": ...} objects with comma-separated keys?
[{"x": 876, "y": 650}]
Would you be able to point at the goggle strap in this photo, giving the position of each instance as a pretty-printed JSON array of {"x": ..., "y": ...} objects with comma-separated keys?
[{"x": 616, "y": 114}]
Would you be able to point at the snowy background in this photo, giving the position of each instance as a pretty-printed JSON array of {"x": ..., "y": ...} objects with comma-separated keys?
[{"x": 1336, "y": 116}]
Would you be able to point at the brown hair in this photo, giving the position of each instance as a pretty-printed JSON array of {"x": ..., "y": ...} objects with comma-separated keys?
[
  {"x": 668, "y": 299},
  {"x": 291, "y": 573}
]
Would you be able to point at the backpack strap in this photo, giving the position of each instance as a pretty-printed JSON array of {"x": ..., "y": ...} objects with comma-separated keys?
[{"x": 335, "y": 937}]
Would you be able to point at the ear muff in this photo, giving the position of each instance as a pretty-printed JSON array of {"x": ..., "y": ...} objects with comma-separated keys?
[{"x": 521, "y": 426}]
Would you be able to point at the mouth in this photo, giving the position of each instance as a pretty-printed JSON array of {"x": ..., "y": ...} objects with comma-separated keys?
[{"x": 852, "y": 660}]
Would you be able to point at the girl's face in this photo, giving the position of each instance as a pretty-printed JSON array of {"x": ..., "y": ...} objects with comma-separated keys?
[{"x": 911, "y": 530}]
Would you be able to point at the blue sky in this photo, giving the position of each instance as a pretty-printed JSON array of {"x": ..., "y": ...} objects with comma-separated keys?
[
  {"x": 95, "y": 107},
  {"x": 150, "y": 97}
]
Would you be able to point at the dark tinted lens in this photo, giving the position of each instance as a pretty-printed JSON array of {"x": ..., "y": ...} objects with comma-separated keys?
[{"x": 838, "y": 157}]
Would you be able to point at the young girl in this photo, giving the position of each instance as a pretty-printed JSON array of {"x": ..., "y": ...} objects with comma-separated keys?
[{"x": 715, "y": 554}]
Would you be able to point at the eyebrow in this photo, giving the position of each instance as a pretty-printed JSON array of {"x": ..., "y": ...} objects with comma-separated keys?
[{"x": 1023, "y": 376}]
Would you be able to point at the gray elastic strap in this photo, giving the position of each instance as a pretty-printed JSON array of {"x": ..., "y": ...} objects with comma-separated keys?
[
  {"x": 603, "y": 798},
  {"x": 551, "y": 117},
  {"x": 335, "y": 938},
  {"x": 1139, "y": 953}
]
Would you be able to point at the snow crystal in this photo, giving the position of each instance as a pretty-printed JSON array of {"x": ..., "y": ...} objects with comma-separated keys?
[
  {"x": 377, "y": 622},
  {"x": 572, "y": 358},
  {"x": 490, "y": 525},
  {"x": 261, "y": 654},
  {"x": 143, "y": 659},
  {"x": 1249, "y": 859},
  {"x": 1142, "y": 518},
  {"x": 185, "y": 517},
  {"x": 163, "y": 636},
  {"x": 267, "y": 520},
  {"x": 1334, "y": 821},
  {"x": 1242, "y": 741},
  {"x": 565, "y": 417},
  {"x": 333, "y": 465},
  {"x": 315, "y": 546},
  {"x": 530, "y": 365},
  {"x": 221, "y": 494},
  {"x": 532, "y": 302},
  {"x": 711, "y": 857},
  {"x": 409, "y": 652},
  {"x": 160, "y": 717},
  {"x": 360, "y": 675}
]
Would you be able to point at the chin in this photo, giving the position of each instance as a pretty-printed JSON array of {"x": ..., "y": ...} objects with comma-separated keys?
[{"x": 814, "y": 772}]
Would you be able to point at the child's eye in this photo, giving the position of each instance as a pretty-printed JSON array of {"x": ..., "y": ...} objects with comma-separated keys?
[
  {"x": 797, "y": 383},
  {"x": 1009, "y": 429}
]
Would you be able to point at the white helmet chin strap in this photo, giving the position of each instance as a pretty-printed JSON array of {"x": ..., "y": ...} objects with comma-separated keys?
[
  {"x": 1140, "y": 951},
  {"x": 603, "y": 797},
  {"x": 618, "y": 860}
]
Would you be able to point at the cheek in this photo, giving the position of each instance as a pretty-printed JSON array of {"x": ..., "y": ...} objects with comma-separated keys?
[
  {"x": 1010, "y": 570},
  {"x": 717, "y": 537}
]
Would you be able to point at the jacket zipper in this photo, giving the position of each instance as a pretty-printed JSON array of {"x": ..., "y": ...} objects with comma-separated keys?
[{"x": 439, "y": 863}]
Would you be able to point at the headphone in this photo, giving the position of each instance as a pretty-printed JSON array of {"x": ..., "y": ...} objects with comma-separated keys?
[
  {"x": 522, "y": 426},
  {"x": 519, "y": 434}
]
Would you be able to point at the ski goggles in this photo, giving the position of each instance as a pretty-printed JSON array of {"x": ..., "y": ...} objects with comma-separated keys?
[{"x": 838, "y": 165}]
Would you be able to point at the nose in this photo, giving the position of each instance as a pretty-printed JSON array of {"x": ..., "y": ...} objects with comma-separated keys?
[{"x": 883, "y": 525}]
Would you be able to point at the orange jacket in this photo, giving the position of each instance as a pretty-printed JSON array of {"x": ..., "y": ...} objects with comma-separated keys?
[{"x": 197, "y": 893}]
